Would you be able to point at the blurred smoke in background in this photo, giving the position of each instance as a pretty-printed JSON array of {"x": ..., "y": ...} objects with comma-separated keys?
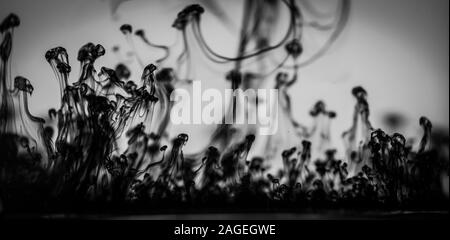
[{"x": 397, "y": 50}]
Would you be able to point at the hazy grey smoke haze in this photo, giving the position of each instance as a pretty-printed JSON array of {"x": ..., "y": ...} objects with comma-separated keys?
[{"x": 396, "y": 49}]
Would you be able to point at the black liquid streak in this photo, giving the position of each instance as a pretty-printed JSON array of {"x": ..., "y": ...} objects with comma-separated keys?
[{"x": 84, "y": 167}]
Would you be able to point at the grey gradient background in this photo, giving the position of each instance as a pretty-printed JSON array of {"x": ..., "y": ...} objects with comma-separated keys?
[{"x": 396, "y": 49}]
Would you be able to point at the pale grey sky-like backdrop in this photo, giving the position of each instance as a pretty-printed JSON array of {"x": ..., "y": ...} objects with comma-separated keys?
[{"x": 398, "y": 50}]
